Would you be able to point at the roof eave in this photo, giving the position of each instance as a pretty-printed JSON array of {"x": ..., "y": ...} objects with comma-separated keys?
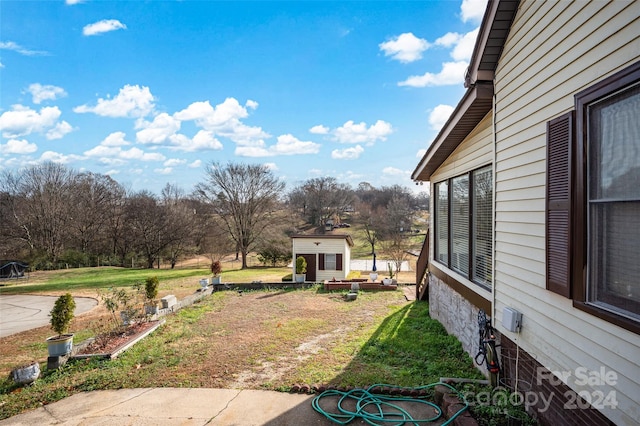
[{"x": 472, "y": 108}]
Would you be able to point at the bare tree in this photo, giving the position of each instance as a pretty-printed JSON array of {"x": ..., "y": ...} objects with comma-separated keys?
[
  {"x": 40, "y": 206},
  {"x": 180, "y": 226},
  {"x": 244, "y": 197},
  {"x": 320, "y": 199},
  {"x": 146, "y": 220}
]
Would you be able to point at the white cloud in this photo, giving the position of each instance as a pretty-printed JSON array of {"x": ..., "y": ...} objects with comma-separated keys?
[
  {"x": 472, "y": 10},
  {"x": 350, "y": 132},
  {"x": 319, "y": 130},
  {"x": 204, "y": 140},
  {"x": 131, "y": 101},
  {"x": 421, "y": 153},
  {"x": 352, "y": 153},
  {"x": 110, "y": 151},
  {"x": 224, "y": 120},
  {"x": 157, "y": 131},
  {"x": 1, "y": 65},
  {"x": 290, "y": 145},
  {"x": 404, "y": 48},
  {"x": 452, "y": 73},
  {"x": 22, "y": 121},
  {"x": 15, "y": 146},
  {"x": 10, "y": 45},
  {"x": 72, "y": 2},
  {"x": 271, "y": 166},
  {"x": 47, "y": 92},
  {"x": 464, "y": 46},
  {"x": 439, "y": 116},
  {"x": 251, "y": 104},
  {"x": 104, "y": 26},
  {"x": 393, "y": 171},
  {"x": 172, "y": 162},
  {"x": 57, "y": 157},
  {"x": 252, "y": 151},
  {"x": 115, "y": 139},
  {"x": 59, "y": 130},
  {"x": 196, "y": 164},
  {"x": 448, "y": 40},
  {"x": 163, "y": 171}
]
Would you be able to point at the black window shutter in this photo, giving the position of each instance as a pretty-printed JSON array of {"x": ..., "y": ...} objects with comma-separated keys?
[
  {"x": 321, "y": 261},
  {"x": 339, "y": 262},
  {"x": 560, "y": 136}
]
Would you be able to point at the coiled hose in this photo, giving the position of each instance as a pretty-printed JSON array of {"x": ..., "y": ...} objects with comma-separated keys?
[{"x": 377, "y": 409}]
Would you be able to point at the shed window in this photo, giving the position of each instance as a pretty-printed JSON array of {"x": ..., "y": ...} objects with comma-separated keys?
[{"x": 330, "y": 262}]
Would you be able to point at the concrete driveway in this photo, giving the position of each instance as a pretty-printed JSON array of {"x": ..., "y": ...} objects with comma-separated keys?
[{"x": 23, "y": 312}]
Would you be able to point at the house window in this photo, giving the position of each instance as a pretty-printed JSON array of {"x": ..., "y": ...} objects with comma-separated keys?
[
  {"x": 482, "y": 221},
  {"x": 330, "y": 262},
  {"x": 612, "y": 146},
  {"x": 464, "y": 224},
  {"x": 442, "y": 222},
  {"x": 593, "y": 200}
]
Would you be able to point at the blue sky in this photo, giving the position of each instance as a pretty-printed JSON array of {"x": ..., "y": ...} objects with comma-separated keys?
[{"x": 150, "y": 92}]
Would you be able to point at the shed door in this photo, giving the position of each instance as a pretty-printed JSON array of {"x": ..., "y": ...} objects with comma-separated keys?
[{"x": 311, "y": 266}]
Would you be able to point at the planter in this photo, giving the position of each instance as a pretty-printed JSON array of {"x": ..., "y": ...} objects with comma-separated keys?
[
  {"x": 355, "y": 286},
  {"x": 216, "y": 280},
  {"x": 373, "y": 276},
  {"x": 60, "y": 345},
  {"x": 204, "y": 283},
  {"x": 151, "y": 310},
  {"x": 300, "y": 278},
  {"x": 26, "y": 374},
  {"x": 387, "y": 281}
]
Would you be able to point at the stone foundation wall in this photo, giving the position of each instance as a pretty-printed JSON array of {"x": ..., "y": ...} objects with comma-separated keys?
[
  {"x": 551, "y": 403},
  {"x": 458, "y": 316}
]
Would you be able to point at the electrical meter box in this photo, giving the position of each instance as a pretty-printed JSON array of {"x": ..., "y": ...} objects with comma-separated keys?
[{"x": 511, "y": 319}]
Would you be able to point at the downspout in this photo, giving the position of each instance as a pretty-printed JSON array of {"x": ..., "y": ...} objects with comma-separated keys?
[{"x": 493, "y": 239}]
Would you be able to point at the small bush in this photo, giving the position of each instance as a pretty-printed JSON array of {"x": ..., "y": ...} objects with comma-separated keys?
[
  {"x": 288, "y": 277},
  {"x": 62, "y": 313}
]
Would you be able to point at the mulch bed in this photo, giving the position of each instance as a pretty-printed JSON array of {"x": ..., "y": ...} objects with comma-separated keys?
[{"x": 110, "y": 342}]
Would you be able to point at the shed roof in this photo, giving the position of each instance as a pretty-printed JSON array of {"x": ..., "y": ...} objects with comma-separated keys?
[{"x": 346, "y": 237}]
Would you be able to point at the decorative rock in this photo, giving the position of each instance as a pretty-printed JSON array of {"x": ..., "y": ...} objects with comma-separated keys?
[
  {"x": 168, "y": 301},
  {"x": 26, "y": 374}
]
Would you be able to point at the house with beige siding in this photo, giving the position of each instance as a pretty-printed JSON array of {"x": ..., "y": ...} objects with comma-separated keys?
[
  {"x": 328, "y": 256},
  {"x": 535, "y": 192}
]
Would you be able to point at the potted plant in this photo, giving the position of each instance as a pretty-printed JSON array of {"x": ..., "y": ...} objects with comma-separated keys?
[
  {"x": 301, "y": 269},
  {"x": 216, "y": 270},
  {"x": 151, "y": 285},
  {"x": 389, "y": 281},
  {"x": 61, "y": 316}
]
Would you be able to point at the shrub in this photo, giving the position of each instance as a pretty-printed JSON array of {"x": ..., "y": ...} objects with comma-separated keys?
[
  {"x": 62, "y": 313},
  {"x": 216, "y": 268},
  {"x": 301, "y": 265},
  {"x": 151, "y": 285}
]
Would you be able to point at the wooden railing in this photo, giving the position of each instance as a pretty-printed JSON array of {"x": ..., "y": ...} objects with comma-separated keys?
[{"x": 421, "y": 270}]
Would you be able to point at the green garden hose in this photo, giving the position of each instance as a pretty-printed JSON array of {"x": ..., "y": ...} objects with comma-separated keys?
[{"x": 381, "y": 410}]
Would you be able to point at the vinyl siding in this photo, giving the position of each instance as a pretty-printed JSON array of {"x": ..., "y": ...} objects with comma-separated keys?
[{"x": 554, "y": 50}]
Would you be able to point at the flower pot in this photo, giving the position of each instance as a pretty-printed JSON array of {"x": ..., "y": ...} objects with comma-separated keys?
[
  {"x": 216, "y": 280},
  {"x": 60, "y": 345},
  {"x": 373, "y": 276},
  {"x": 300, "y": 278},
  {"x": 26, "y": 374},
  {"x": 204, "y": 283},
  {"x": 355, "y": 286},
  {"x": 151, "y": 309},
  {"x": 387, "y": 281}
]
